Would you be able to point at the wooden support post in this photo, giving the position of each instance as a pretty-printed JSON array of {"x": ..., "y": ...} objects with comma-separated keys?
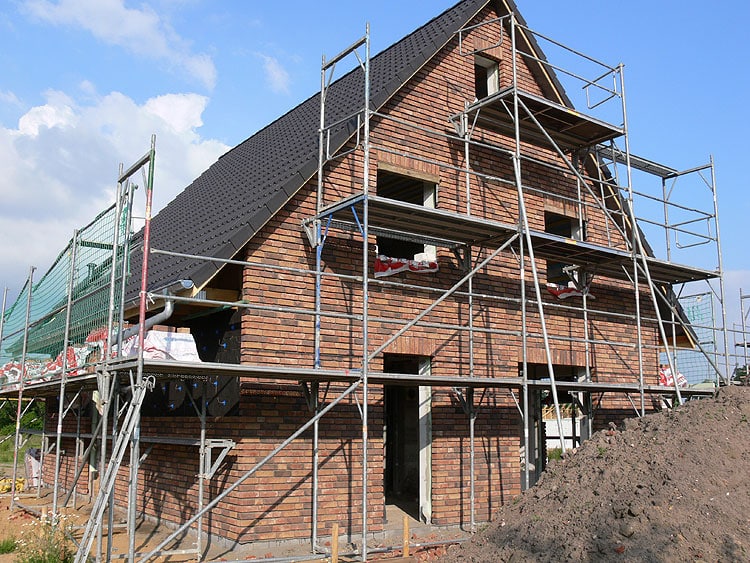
[{"x": 335, "y": 544}]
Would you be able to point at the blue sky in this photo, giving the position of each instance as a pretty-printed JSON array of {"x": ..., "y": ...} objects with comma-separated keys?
[{"x": 84, "y": 83}]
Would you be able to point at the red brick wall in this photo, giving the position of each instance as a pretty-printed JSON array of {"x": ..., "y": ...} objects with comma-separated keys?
[
  {"x": 436, "y": 92},
  {"x": 276, "y": 502}
]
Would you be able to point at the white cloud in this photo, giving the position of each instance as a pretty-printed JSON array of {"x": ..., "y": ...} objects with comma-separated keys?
[
  {"x": 55, "y": 113},
  {"x": 181, "y": 111},
  {"x": 141, "y": 31},
  {"x": 276, "y": 76},
  {"x": 60, "y": 167},
  {"x": 9, "y": 98}
]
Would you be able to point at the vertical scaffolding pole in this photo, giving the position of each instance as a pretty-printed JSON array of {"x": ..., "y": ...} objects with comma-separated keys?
[
  {"x": 2, "y": 328},
  {"x": 103, "y": 376},
  {"x": 472, "y": 419},
  {"x": 20, "y": 388},
  {"x": 79, "y": 455},
  {"x": 136, "y": 435},
  {"x": 201, "y": 480},
  {"x": 524, "y": 221},
  {"x": 315, "y": 407},
  {"x": 64, "y": 375},
  {"x": 524, "y": 360},
  {"x": 318, "y": 289},
  {"x": 582, "y": 227},
  {"x": 115, "y": 408},
  {"x": 365, "y": 289},
  {"x": 2, "y": 317},
  {"x": 744, "y": 333},
  {"x": 638, "y": 249},
  {"x": 318, "y": 207},
  {"x": 467, "y": 256},
  {"x": 721, "y": 278}
]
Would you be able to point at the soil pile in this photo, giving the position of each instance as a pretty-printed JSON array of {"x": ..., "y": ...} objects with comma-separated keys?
[{"x": 671, "y": 486}]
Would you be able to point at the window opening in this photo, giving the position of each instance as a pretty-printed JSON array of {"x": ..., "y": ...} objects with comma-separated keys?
[
  {"x": 409, "y": 190},
  {"x": 486, "y": 77},
  {"x": 563, "y": 226}
]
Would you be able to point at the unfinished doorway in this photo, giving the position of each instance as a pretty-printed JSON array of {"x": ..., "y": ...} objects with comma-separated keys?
[
  {"x": 408, "y": 437},
  {"x": 543, "y": 431}
]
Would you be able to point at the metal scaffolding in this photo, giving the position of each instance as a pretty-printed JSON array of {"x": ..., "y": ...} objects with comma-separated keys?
[
  {"x": 541, "y": 132},
  {"x": 741, "y": 343}
]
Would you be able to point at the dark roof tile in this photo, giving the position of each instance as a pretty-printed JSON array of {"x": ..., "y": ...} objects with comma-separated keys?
[{"x": 235, "y": 197}]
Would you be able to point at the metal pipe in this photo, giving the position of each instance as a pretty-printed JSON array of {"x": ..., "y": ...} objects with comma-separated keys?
[
  {"x": 115, "y": 398},
  {"x": 135, "y": 439},
  {"x": 318, "y": 282},
  {"x": 79, "y": 455},
  {"x": 524, "y": 362},
  {"x": 524, "y": 314},
  {"x": 203, "y": 471},
  {"x": 151, "y": 321},
  {"x": 2, "y": 319},
  {"x": 635, "y": 247},
  {"x": 638, "y": 249},
  {"x": 365, "y": 289},
  {"x": 721, "y": 276},
  {"x": 80, "y": 470},
  {"x": 472, "y": 419},
  {"x": 524, "y": 220},
  {"x": 315, "y": 403},
  {"x": 744, "y": 335},
  {"x": 125, "y": 263},
  {"x": 20, "y": 387},
  {"x": 64, "y": 375},
  {"x": 585, "y": 302},
  {"x": 43, "y": 449},
  {"x": 103, "y": 376}
]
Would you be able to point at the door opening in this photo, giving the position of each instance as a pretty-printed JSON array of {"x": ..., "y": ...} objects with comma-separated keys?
[
  {"x": 407, "y": 480},
  {"x": 543, "y": 431}
]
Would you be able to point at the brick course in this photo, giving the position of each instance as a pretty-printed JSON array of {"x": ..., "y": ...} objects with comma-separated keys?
[{"x": 276, "y": 502}]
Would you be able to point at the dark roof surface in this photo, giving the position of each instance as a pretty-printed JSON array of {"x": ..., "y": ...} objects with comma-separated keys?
[{"x": 225, "y": 206}]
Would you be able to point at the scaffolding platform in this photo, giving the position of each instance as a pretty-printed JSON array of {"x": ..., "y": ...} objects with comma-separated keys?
[
  {"x": 568, "y": 128},
  {"x": 171, "y": 369},
  {"x": 427, "y": 225}
]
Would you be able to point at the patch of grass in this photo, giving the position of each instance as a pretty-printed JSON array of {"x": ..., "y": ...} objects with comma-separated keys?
[
  {"x": 602, "y": 450},
  {"x": 45, "y": 542},
  {"x": 6, "y": 448},
  {"x": 554, "y": 453},
  {"x": 8, "y": 545}
]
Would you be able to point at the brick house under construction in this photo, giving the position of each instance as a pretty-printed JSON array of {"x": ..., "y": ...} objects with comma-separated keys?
[{"x": 394, "y": 281}]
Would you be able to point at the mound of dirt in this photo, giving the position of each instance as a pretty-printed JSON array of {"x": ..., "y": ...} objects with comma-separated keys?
[{"x": 671, "y": 486}]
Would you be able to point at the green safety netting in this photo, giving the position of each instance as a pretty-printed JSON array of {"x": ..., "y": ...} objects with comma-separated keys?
[{"x": 80, "y": 280}]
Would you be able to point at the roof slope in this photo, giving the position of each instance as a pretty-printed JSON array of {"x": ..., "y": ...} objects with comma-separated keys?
[{"x": 223, "y": 208}]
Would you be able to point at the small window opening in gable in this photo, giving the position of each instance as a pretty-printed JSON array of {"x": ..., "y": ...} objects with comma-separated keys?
[
  {"x": 486, "y": 77},
  {"x": 568, "y": 227},
  {"x": 410, "y": 190}
]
